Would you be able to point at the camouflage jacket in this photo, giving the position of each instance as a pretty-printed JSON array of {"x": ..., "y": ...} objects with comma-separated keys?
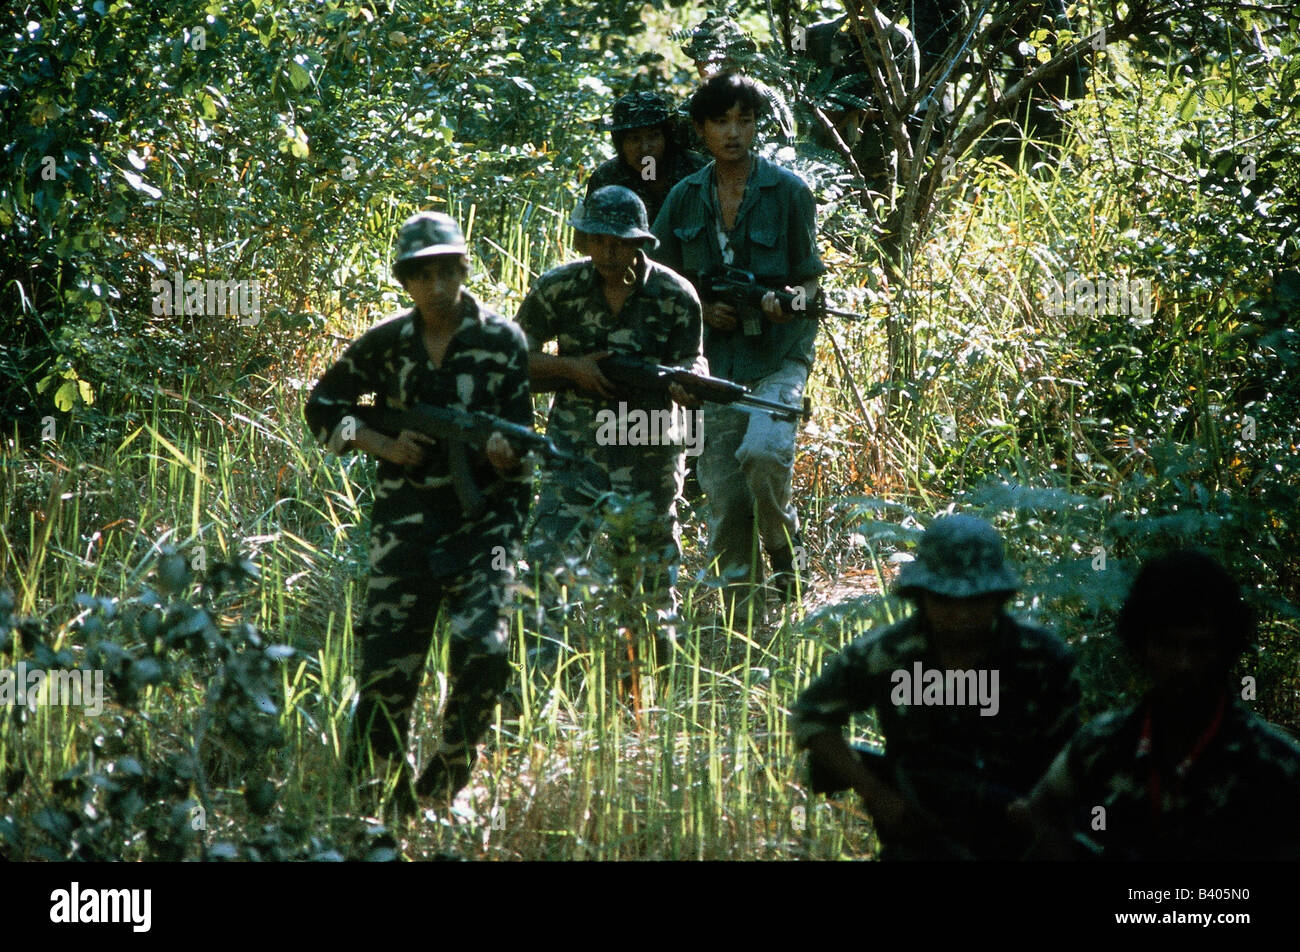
[
  {"x": 659, "y": 321},
  {"x": 775, "y": 237},
  {"x": 485, "y": 369},
  {"x": 1236, "y": 799},
  {"x": 945, "y": 751},
  {"x": 617, "y": 172}
]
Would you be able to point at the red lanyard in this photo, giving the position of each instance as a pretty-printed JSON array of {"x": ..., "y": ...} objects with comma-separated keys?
[{"x": 1144, "y": 749}]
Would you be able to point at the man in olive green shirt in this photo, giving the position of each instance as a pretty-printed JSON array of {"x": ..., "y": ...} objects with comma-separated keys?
[{"x": 745, "y": 212}]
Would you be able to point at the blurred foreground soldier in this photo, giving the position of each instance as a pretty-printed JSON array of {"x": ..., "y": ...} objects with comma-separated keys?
[
  {"x": 648, "y": 159},
  {"x": 745, "y": 212},
  {"x": 972, "y": 705},
  {"x": 426, "y": 555},
  {"x": 1189, "y": 773},
  {"x": 718, "y": 45},
  {"x": 615, "y": 301}
]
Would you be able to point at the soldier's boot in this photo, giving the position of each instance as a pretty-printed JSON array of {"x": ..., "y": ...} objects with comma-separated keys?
[
  {"x": 786, "y": 576},
  {"x": 446, "y": 774}
]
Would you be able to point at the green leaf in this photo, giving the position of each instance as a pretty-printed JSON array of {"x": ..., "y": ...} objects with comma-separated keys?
[
  {"x": 66, "y": 396},
  {"x": 299, "y": 77}
]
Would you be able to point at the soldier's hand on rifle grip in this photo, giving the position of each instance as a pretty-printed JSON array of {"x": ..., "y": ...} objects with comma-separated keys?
[
  {"x": 501, "y": 454},
  {"x": 406, "y": 450},
  {"x": 773, "y": 310},
  {"x": 721, "y": 316},
  {"x": 679, "y": 395},
  {"x": 585, "y": 373}
]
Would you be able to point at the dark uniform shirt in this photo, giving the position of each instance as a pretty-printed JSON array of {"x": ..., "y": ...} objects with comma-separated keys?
[
  {"x": 960, "y": 764},
  {"x": 617, "y": 172},
  {"x": 1235, "y": 796},
  {"x": 774, "y": 237},
  {"x": 484, "y": 369}
]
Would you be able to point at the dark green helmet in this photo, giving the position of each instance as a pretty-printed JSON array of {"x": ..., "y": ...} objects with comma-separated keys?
[
  {"x": 613, "y": 210},
  {"x": 718, "y": 38},
  {"x": 958, "y": 557},
  {"x": 426, "y": 234},
  {"x": 639, "y": 111}
]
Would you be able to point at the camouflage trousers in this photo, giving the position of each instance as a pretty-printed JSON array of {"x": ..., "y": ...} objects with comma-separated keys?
[
  {"x": 746, "y": 471},
  {"x": 403, "y": 607},
  {"x": 639, "y": 518}
]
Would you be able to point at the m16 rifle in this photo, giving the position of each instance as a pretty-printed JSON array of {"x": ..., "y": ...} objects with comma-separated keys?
[
  {"x": 631, "y": 373},
  {"x": 737, "y": 287},
  {"x": 463, "y": 431}
]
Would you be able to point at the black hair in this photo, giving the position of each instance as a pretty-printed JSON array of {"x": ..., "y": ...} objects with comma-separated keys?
[
  {"x": 403, "y": 271},
  {"x": 1185, "y": 587},
  {"x": 719, "y": 93}
]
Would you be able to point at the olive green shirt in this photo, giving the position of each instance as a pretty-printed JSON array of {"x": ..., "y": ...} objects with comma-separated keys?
[{"x": 775, "y": 238}]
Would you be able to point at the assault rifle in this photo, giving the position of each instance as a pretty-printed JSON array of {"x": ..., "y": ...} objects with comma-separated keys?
[
  {"x": 632, "y": 373},
  {"x": 736, "y": 287},
  {"x": 463, "y": 431}
]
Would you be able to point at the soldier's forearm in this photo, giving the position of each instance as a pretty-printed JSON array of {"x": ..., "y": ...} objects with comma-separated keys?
[
  {"x": 836, "y": 757},
  {"x": 548, "y": 372},
  {"x": 370, "y": 441}
]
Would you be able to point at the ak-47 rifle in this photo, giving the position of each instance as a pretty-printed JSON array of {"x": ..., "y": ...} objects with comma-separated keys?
[
  {"x": 632, "y": 373},
  {"x": 737, "y": 287},
  {"x": 463, "y": 431}
]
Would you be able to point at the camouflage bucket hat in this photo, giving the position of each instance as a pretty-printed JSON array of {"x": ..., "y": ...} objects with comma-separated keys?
[
  {"x": 613, "y": 210},
  {"x": 639, "y": 111},
  {"x": 717, "y": 38},
  {"x": 426, "y": 234},
  {"x": 958, "y": 557}
]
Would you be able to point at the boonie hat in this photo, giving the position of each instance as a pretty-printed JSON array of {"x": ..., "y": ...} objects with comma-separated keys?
[
  {"x": 958, "y": 557},
  {"x": 426, "y": 234},
  {"x": 613, "y": 210},
  {"x": 639, "y": 111}
]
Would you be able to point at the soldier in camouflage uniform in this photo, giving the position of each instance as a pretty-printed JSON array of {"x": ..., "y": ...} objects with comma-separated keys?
[
  {"x": 615, "y": 301},
  {"x": 951, "y": 767},
  {"x": 426, "y": 555},
  {"x": 1189, "y": 773},
  {"x": 648, "y": 159}
]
